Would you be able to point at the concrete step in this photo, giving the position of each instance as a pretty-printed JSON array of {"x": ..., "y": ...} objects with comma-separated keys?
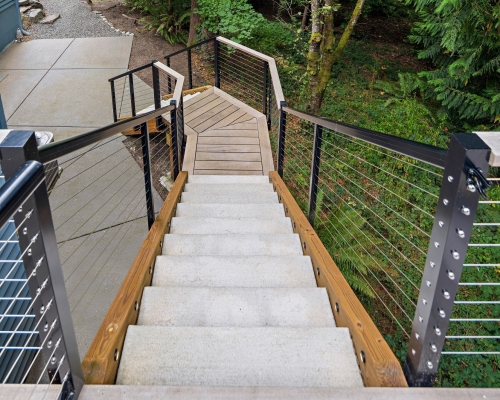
[
  {"x": 268, "y": 356},
  {"x": 227, "y": 187},
  {"x": 234, "y": 271},
  {"x": 233, "y": 245},
  {"x": 227, "y": 179},
  {"x": 188, "y": 306},
  {"x": 263, "y": 211},
  {"x": 206, "y": 226},
  {"x": 230, "y": 198}
]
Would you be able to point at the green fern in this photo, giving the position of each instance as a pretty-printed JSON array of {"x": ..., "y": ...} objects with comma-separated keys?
[
  {"x": 462, "y": 39},
  {"x": 341, "y": 233}
]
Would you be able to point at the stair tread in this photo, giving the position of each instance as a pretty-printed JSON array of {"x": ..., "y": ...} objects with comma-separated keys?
[
  {"x": 204, "y": 226},
  {"x": 223, "y": 271},
  {"x": 257, "y": 356},
  {"x": 227, "y": 187},
  {"x": 188, "y": 306},
  {"x": 230, "y": 198},
  {"x": 232, "y": 244},
  {"x": 263, "y": 211},
  {"x": 227, "y": 179}
]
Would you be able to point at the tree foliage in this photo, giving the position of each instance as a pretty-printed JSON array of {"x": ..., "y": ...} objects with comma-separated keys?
[{"x": 462, "y": 39}]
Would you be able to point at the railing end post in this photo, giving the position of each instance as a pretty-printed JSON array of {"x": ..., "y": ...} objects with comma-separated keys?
[{"x": 448, "y": 245}]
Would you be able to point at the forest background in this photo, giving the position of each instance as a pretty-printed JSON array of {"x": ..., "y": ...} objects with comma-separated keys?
[{"x": 417, "y": 69}]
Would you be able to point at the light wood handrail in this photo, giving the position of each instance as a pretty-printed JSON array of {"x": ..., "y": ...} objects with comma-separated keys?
[
  {"x": 278, "y": 90},
  {"x": 378, "y": 364},
  {"x": 101, "y": 362}
]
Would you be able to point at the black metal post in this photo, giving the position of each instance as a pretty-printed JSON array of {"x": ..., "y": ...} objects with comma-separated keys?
[
  {"x": 270, "y": 102},
  {"x": 449, "y": 241},
  {"x": 113, "y": 100},
  {"x": 175, "y": 146},
  {"x": 181, "y": 135},
  {"x": 148, "y": 181},
  {"x": 264, "y": 88},
  {"x": 216, "y": 63},
  {"x": 316, "y": 159},
  {"x": 132, "y": 94},
  {"x": 190, "y": 70},
  {"x": 281, "y": 139},
  {"x": 169, "y": 79},
  {"x": 157, "y": 96},
  {"x": 42, "y": 265}
]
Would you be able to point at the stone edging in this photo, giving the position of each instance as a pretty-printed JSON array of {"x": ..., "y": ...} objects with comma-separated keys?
[{"x": 99, "y": 14}]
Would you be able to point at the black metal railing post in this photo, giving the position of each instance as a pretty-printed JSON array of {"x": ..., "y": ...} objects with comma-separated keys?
[
  {"x": 265, "y": 88},
  {"x": 132, "y": 94},
  {"x": 269, "y": 104},
  {"x": 216, "y": 63},
  {"x": 455, "y": 213},
  {"x": 148, "y": 181},
  {"x": 180, "y": 130},
  {"x": 41, "y": 261},
  {"x": 175, "y": 144},
  {"x": 190, "y": 69},
  {"x": 113, "y": 100},
  {"x": 169, "y": 79},
  {"x": 315, "y": 163},
  {"x": 281, "y": 140}
]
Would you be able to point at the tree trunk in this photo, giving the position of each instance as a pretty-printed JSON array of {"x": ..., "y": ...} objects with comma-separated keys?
[
  {"x": 305, "y": 18},
  {"x": 194, "y": 21},
  {"x": 323, "y": 53}
]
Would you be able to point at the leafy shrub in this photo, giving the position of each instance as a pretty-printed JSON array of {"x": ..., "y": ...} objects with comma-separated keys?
[{"x": 234, "y": 19}]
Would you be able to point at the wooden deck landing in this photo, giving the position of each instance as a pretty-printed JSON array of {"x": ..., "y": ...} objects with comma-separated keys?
[{"x": 225, "y": 136}]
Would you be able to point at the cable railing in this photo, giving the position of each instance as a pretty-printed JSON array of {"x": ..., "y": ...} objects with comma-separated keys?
[
  {"x": 132, "y": 96},
  {"x": 396, "y": 216},
  {"x": 37, "y": 338},
  {"x": 111, "y": 184},
  {"x": 245, "y": 74},
  {"x": 104, "y": 198}
]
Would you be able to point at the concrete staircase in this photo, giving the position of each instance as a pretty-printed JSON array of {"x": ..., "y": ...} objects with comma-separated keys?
[{"x": 234, "y": 301}]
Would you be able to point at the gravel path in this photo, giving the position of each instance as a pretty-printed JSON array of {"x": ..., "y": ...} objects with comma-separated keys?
[{"x": 77, "y": 21}]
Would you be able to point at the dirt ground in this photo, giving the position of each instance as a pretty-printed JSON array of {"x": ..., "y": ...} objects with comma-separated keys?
[{"x": 147, "y": 46}]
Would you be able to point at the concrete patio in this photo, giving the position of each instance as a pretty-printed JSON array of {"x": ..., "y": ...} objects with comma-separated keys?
[{"x": 98, "y": 204}]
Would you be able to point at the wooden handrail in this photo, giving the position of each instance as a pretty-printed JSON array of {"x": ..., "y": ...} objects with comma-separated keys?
[
  {"x": 100, "y": 364},
  {"x": 378, "y": 364}
]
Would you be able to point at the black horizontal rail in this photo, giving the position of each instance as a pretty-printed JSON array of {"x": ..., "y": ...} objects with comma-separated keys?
[
  {"x": 18, "y": 188},
  {"x": 61, "y": 148},
  {"x": 190, "y": 47},
  {"x": 130, "y": 72},
  {"x": 420, "y": 151}
]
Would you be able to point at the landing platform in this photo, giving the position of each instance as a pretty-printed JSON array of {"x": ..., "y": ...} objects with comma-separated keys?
[{"x": 225, "y": 136}]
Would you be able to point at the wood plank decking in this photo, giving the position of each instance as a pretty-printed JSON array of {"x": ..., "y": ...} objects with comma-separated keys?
[{"x": 225, "y": 136}]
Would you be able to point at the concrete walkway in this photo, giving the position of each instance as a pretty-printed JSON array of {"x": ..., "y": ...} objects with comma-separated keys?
[
  {"x": 61, "y": 85},
  {"x": 98, "y": 204}
]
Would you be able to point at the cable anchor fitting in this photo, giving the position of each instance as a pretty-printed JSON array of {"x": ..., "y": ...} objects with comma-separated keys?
[{"x": 476, "y": 181}]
